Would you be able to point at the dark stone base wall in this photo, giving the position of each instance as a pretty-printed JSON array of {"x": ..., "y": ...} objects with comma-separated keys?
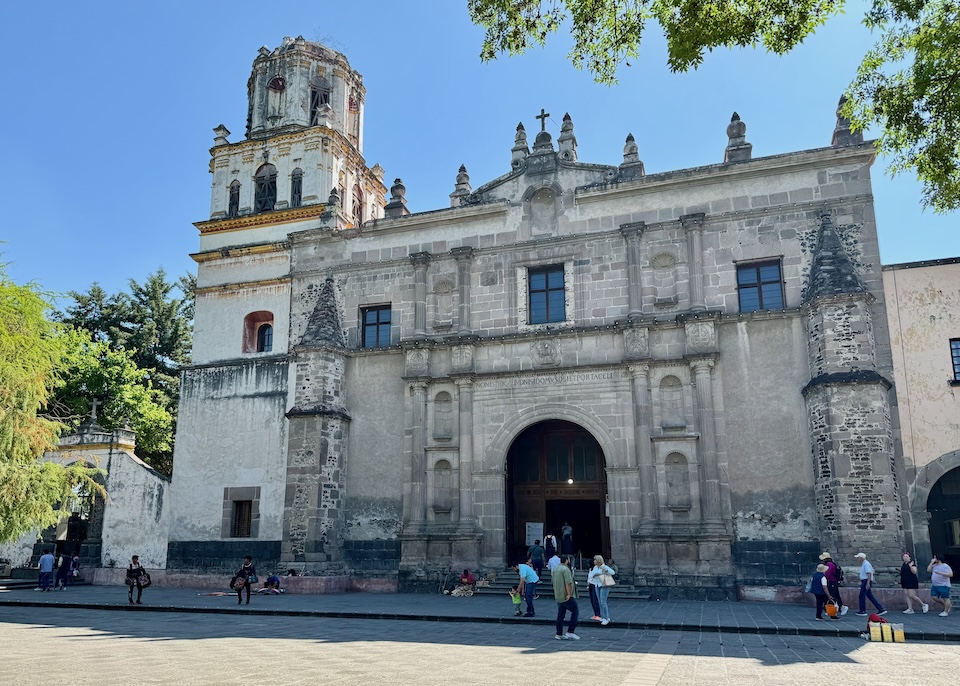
[
  {"x": 686, "y": 586},
  {"x": 372, "y": 558},
  {"x": 429, "y": 582},
  {"x": 775, "y": 563},
  {"x": 222, "y": 556}
]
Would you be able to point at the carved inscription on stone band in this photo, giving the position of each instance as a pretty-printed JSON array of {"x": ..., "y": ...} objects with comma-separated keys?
[{"x": 551, "y": 379}]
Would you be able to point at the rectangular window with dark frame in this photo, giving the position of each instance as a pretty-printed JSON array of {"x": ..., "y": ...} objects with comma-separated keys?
[
  {"x": 955, "y": 356},
  {"x": 546, "y": 294},
  {"x": 376, "y": 326},
  {"x": 242, "y": 518},
  {"x": 760, "y": 286}
]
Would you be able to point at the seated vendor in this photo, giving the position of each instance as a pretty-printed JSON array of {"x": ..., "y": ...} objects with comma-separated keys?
[{"x": 467, "y": 579}]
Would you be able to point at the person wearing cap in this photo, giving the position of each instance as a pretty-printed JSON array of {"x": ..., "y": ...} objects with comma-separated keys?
[
  {"x": 832, "y": 574},
  {"x": 866, "y": 582}
]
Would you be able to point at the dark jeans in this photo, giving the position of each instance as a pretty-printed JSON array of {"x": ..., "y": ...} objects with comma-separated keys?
[
  {"x": 594, "y": 600},
  {"x": 529, "y": 590},
  {"x": 130, "y": 592},
  {"x": 834, "y": 589},
  {"x": 63, "y": 578},
  {"x": 246, "y": 586},
  {"x": 821, "y": 603},
  {"x": 537, "y": 566},
  {"x": 562, "y": 609},
  {"x": 45, "y": 580},
  {"x": 866, "y": 593}
]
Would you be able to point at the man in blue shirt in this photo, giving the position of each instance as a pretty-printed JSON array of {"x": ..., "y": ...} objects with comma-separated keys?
[
  {"x": 527, "y": 585},
  {"x": 46, "y": 569}
]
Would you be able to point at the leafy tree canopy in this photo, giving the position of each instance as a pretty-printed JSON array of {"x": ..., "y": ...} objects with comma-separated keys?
[
  {"x": 31, "y": 352},
  {"x": 908, "y": 84}
]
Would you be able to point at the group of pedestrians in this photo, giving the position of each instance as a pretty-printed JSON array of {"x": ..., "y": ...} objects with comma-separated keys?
[
  {"x": 66, "y": 567},
  {"x": 825, "y": 586}
]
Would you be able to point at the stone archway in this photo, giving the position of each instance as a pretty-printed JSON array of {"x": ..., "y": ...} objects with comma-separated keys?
[{"x": 925, "y": 524}]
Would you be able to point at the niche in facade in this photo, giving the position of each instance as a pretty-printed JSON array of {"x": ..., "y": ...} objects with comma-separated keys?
[
  {"x": 664, "y": 279},
  {"x": 443, "y": 416},
  {"x": 677, "y": 476},
  {"x": 672, "y": 415}
]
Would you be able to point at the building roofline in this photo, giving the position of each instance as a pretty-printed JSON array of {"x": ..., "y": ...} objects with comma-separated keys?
[{"x": 921, "y": 263}]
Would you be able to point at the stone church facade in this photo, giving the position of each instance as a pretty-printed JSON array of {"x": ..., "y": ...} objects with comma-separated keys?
[{"x": 691, "y": 368}]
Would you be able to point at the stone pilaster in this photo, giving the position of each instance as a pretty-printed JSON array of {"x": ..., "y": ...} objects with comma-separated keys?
[
  {"x": 465, "y": 393},
  {"x": 693, "y": 224},
  {"x": 642, "y": 420},
  {"x": 418, "y": 400},
  {"x": 709, "y": 466},
  {"x": 420, "y": 262},
  {"x": 464, "y": 258},
  {"x": 632, "y": 233}
]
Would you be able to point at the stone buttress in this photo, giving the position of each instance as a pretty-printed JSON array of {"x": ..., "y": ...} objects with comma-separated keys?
[
  {"x": 313, "y": 514},
  {"x": 848, "y": 412}
]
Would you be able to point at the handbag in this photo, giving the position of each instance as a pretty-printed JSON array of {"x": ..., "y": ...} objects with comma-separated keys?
[
  {"x": 237, "y": 583},
  {"x": 253, "y": 578},
  {"x": 130, "y": 581},
  {"x": 607, "y": 580},
  {"x": 144, "y": 580}
]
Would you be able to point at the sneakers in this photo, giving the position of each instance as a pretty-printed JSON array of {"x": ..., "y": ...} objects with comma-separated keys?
[
  {"x": 38, "y": 589},
  {"x": 560, "y": 637},
  {"x": 909, "y": 611},
  {"x": 944, "y": 614},
  {"x": 843, "y": 610},
  {"x": 861, "y": 614},
  {"x": 570, "y": 636},
  {"x": 604, "y": 622},
  {"x": 596, "y": 618},
  {"x": 882, "y": 613},
  {"x": 529, "y": 614},
  {"x": 518, "y": 613},
  {"x": 926, "y": 608}
]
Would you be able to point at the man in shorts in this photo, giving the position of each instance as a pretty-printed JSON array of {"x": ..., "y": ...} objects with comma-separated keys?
[{"x": 940, "y": 574}]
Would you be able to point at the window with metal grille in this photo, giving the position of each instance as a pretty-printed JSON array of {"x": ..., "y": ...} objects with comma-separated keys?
[
  {"x": 233, "y": 206},
  {"x": 546, "y": 295},
  {"x": 319, "y": 96},
  {"x": 265, "y": 195},
  {"x": 296, "y": 188},
  {"x": 265, "y": 338},
  {"x": 955, "y": 356},
  {"x": 376, "y": 326},
  {"x": 760, "y": 286},
  {"x": 242, "y": 518}
]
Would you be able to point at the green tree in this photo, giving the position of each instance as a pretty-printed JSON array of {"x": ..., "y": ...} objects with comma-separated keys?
[
  {"x": 908, "y": 84},
  {"x": 31, "y": 354}
]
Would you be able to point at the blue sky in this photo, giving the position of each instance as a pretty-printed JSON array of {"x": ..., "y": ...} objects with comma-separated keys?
[{"x": 110, "y": 106}]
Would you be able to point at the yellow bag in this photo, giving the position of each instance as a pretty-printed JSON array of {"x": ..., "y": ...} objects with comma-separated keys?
[
  {"x": 887, "y": 631},
  {"x": 875, "y": 632},
  {"x": 898, "y": 635}
]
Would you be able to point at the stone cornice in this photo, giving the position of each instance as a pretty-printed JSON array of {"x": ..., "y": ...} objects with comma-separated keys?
[
  {"x": 261, "y": 283},
  {"x": 240, "y": 251},
  {"x": 261, "y": 220},
  {"x": 723, "y": 173}
]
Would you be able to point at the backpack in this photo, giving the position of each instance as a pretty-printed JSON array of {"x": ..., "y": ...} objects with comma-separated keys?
[{"x": 839, "y": 574}]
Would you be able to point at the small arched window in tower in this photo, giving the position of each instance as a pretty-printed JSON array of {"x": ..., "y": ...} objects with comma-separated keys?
[
  {"x": 265, "y": 338},
  {"x": 296, "y": 188},
  {"x": 233, "y": 204},
  {"x": 319, "y": 96},
  {"x": 357, "y": 205},
  {"x": 258, "y": 332},
  {"x": 265, "y": 196}
]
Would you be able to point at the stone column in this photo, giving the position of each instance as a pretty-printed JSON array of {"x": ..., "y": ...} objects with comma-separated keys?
[
  {"x": 465, "y": 391},
  {"x": 633, "y": 233},
  {"x": 464, "y": 258},
  {"x": 693, "y": 224},
  {"x": 420, "y": 261},
  {"x": 640, "y": 381},
  {"x": 709, "y": 467},
  {"x": 418, "y": 393}
]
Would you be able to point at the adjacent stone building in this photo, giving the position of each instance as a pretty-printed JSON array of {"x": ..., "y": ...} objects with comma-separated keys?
[{"x": 691, "y": 368}]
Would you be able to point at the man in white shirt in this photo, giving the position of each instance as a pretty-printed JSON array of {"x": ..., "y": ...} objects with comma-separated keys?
[
  {"x": 866, "y": 582},
  {"x": 553, "y": 562},
  {"x": 940, "y": 574}
]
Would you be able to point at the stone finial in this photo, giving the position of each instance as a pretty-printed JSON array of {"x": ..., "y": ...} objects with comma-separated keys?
[
  {"x": 843, "y": 134},
  {"x": 397, "y": 207},
  {"x": 832, "y": 271},
  {"x": 631, "y": 166},
  {"x": 737, "y": 148},
  {"x": 378, "y": 171},
  {"x": 567, "y": 141},
  {"x": 462, "y": 188},
  {"x": 323, "y": 327},
  {"x": 543, "y": 143},
  {"x": 221, "y": 133},
  {"x": 520, "y": 149}
]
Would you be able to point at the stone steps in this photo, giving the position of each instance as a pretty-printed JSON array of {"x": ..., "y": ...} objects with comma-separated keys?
[{"x": 506, "y": 580}]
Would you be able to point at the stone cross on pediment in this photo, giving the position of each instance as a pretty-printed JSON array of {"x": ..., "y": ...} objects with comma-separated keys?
[
  {"x": 543, "y": 119},
  {"x": 94, "y": 404}
]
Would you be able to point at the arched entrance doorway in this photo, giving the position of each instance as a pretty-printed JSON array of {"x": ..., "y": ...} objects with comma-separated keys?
[
  {"x": 555, "y": 474},
  {"x": 943, "y": 504}
]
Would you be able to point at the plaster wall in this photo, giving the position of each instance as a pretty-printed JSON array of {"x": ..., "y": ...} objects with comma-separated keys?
[
  {"x": 231, "y": 434},
  {"x": 219, "y": 330}
]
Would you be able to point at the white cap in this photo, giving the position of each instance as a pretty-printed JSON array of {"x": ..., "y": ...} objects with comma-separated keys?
[{"x": 863, "y": 555}]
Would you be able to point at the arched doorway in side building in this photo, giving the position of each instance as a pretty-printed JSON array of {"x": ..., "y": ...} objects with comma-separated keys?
[
  {"x": 943, "y": 504},
  {"x": 556, "y": 475}
]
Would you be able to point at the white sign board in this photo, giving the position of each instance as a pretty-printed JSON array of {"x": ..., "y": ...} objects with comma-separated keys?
[{"x": 534, "y": 532}]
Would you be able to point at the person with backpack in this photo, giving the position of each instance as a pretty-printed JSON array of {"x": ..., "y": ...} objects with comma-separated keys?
[{"x": 834, "y": 575}]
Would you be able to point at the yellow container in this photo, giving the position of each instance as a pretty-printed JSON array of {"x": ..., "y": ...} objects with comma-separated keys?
[
  {"x": 875, "y": 633},
  {"x": 898, "y": 634},
  {"x": 887, "y": 633}
]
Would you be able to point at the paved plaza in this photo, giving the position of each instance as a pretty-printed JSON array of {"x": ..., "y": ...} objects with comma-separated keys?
[{"x": 89, "y": 635}]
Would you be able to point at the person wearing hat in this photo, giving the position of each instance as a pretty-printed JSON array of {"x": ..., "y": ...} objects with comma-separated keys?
[
  {"x": 866, "y": 582},
  {"x": 821, "y": 590},
  {"x": 833, "y": 577}
]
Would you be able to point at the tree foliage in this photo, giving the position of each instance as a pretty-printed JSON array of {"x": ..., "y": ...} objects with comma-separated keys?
[
  {"x": 31, "y": 354},
  {"x": 908, "y": 84}
]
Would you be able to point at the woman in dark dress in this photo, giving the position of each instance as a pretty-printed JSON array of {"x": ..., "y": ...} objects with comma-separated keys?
[
  {"x": 910, "y": 582},
  {"x": 248, "y": 573}
]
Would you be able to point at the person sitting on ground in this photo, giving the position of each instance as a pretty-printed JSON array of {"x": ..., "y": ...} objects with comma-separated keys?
[
  {"x": 271, "y": 586},
  {"x": 467, "y": 579}
]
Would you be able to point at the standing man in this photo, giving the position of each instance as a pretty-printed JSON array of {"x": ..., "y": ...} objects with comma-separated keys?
[
  {"x": 553, "y": 562},
  {"x": 565, "y": 593},
  {"x": 940, "y": 574},
  {"x": 866, "y": 582},
  {"x": 528, "y": 585},
  {"x": 535, "y": 555},
  {"x": 566, "y": 539},
  {"x": 46, "y": 569}
]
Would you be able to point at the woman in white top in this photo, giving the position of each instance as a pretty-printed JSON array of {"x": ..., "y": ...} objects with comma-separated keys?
[{"x": 595, "y": 577}]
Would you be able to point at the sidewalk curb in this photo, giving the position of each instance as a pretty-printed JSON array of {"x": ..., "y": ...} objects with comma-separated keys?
[{"x": 334, "y": 614}]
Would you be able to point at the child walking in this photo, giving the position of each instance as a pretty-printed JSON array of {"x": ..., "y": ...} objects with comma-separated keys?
[{"x": 516, "y": 598}]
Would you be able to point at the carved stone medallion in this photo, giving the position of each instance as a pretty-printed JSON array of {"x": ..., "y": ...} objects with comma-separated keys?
[
  {"x": 416, "y": 362},
  {"x": 545, "y": 352},
  {"x": 636, "y": 343},
  {"x": 700, "y": 337},
  {"x": 462, "y": 358}
]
